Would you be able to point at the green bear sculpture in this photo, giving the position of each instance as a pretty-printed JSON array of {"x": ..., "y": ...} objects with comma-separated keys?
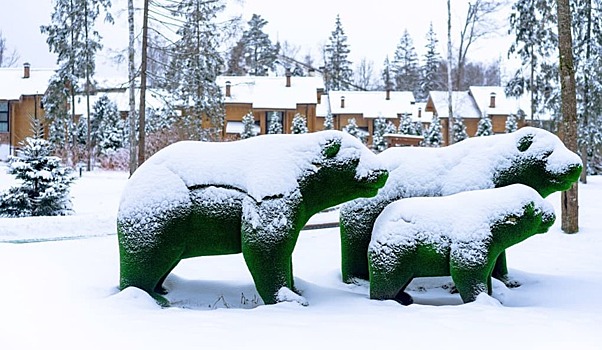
[
  {"x": 251, "y": 196},
  {"x": 463, "y": 240},
  {"x": 530, "y": 156}
]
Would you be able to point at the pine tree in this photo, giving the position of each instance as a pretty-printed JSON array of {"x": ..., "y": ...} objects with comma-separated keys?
[
  {"x": 406, "y": 72},
  {"x": 430, "y": 79},
  {"x": 337, "y": 68},
  {"x": 434, "y": 136},
  {"x": 275, "y": 124},
  {"x": 248, "y": 122},
  {"x": 196, "y": 61},
  {"x": 458, "y": 130},
  {"x": 511, "y": 123},
  {"x": 259, "y": 53},
  {"x": 484, "y": 127},
  {"x": 379, "y": 143},
  {"x": 328, "y": 122},
  {"x": 44, "y": 181},
  {"x": 299, "y": 125}
]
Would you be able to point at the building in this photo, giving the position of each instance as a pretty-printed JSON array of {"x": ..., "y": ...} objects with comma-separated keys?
[
  {"x": 263, "y": 96},
  {"x": 474, "y": 103},
  {"x": 21, "y": 92}
]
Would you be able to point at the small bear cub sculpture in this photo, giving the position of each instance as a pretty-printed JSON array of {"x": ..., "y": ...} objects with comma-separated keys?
[
  {"x": 460, "y": 236},
  {"x": 529, "y": 156},
  {"x": 251, "y": 196}
]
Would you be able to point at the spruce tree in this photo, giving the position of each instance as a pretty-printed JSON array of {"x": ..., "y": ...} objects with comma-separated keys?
[
  {"x": 379, "y": 143},
  {"x": 408, "y": 127},
  {"x": 387, "y": 74},
  {"x": 337, "y": 68},
  {"x": 196, "y": 61},
  {"x": 299, "y": 125},
  {"x": 434, "y": 135},
  {"x": 274, "y": 124},
  {"x": 61, "y": 125},
  {"x": 406, "y": 71},
  {"x": 248, "y": 122},
  {"x": 430, "y": 79},
  {"x": 352, "y": 129},
  {"x": 72, "y": 36},
  {"x": 259, "y": 53},
  {"x": 533, "y": 23},
  {"x": 44, "y": 181},
  {"x": 458, "y": 130},
  {"x": 107, "y": 126},
  {"x": 484, "y": 127},
  {"x": 511, "y": 123},
  {"x": 328, "y": 122}
]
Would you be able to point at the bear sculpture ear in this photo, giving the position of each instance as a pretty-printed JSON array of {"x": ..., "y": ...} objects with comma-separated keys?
[
  {"x": 331, "y": 148},
  {"x": 525, "y": 142}
]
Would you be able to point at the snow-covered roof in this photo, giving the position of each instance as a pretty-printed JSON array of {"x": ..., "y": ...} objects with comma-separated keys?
[
  {"x": 462, "y": 104},
  {"x": 271, "y": 92},
  {"x": 13, "y": 85},
  {"x": 370, "y": 104},
  {"x": 504, "y": 105},
  {"x": 120, "y": 98}
]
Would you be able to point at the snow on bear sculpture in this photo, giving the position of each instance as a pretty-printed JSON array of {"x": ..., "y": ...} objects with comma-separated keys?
[
  {"x": 530, "y": 156},
  {"x": 459, "y": 236},
  {"x": 251, "y": 196}
]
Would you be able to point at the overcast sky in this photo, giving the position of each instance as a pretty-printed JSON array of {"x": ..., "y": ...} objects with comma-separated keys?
[{"x": 373, "y": 27}]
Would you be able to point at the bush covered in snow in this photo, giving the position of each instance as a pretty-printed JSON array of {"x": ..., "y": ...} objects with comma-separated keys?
[
  {"x": 203, "y": 198},
  {"x": 461, "y": 241},
  {"x": 530, "y": 156}
]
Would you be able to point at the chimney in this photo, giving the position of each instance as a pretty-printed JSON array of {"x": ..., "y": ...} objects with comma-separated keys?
[
  {"x": 492, "y": 100},
  {"x": 26, "y": 70},
  {"x": 419, "y": 112},
  {"x": 342, "y": 101},
  {"x": 228, "y": 94},
  {"x": 311, "y": 72},
  {"x": 288, "y": 77},
  {"x": 387, "y": 94}
]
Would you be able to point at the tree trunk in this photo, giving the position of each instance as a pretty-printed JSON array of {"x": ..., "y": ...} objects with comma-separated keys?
[
  {"x": 143, "y": 62},
  {"x": 449, "y": 77},
  {"x": 88, "y": 124},
  {"x": 568, "y": 127},
  {"x": 132, "y": 80},
  {"x": 586, "y": 91}
]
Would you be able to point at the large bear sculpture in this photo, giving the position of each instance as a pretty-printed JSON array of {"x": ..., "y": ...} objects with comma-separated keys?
[
  {"x": 529, "y": 156},
  {"x": 251, "y": 196},
  {"x": 463, "y": 240}
]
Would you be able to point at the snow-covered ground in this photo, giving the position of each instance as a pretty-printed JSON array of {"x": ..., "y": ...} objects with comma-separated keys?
[{"x": 59, "y": 277}]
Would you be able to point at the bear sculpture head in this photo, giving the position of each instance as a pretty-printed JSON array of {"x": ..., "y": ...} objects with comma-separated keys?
[{"x": 540, "y": 161}]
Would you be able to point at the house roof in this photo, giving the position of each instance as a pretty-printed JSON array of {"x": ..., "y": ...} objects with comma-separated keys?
[
  {"x": 504, "y": 105},
  {"x": 271, "y": 92},
  {"x": 13, "y": 85},
  {"x": 370, "y": 104},
  {"x": 120, "y": 98},
  {"x": 462, "y": 104}
]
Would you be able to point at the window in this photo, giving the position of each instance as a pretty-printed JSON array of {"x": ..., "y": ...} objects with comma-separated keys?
[{"x": 3, "y": 116}]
